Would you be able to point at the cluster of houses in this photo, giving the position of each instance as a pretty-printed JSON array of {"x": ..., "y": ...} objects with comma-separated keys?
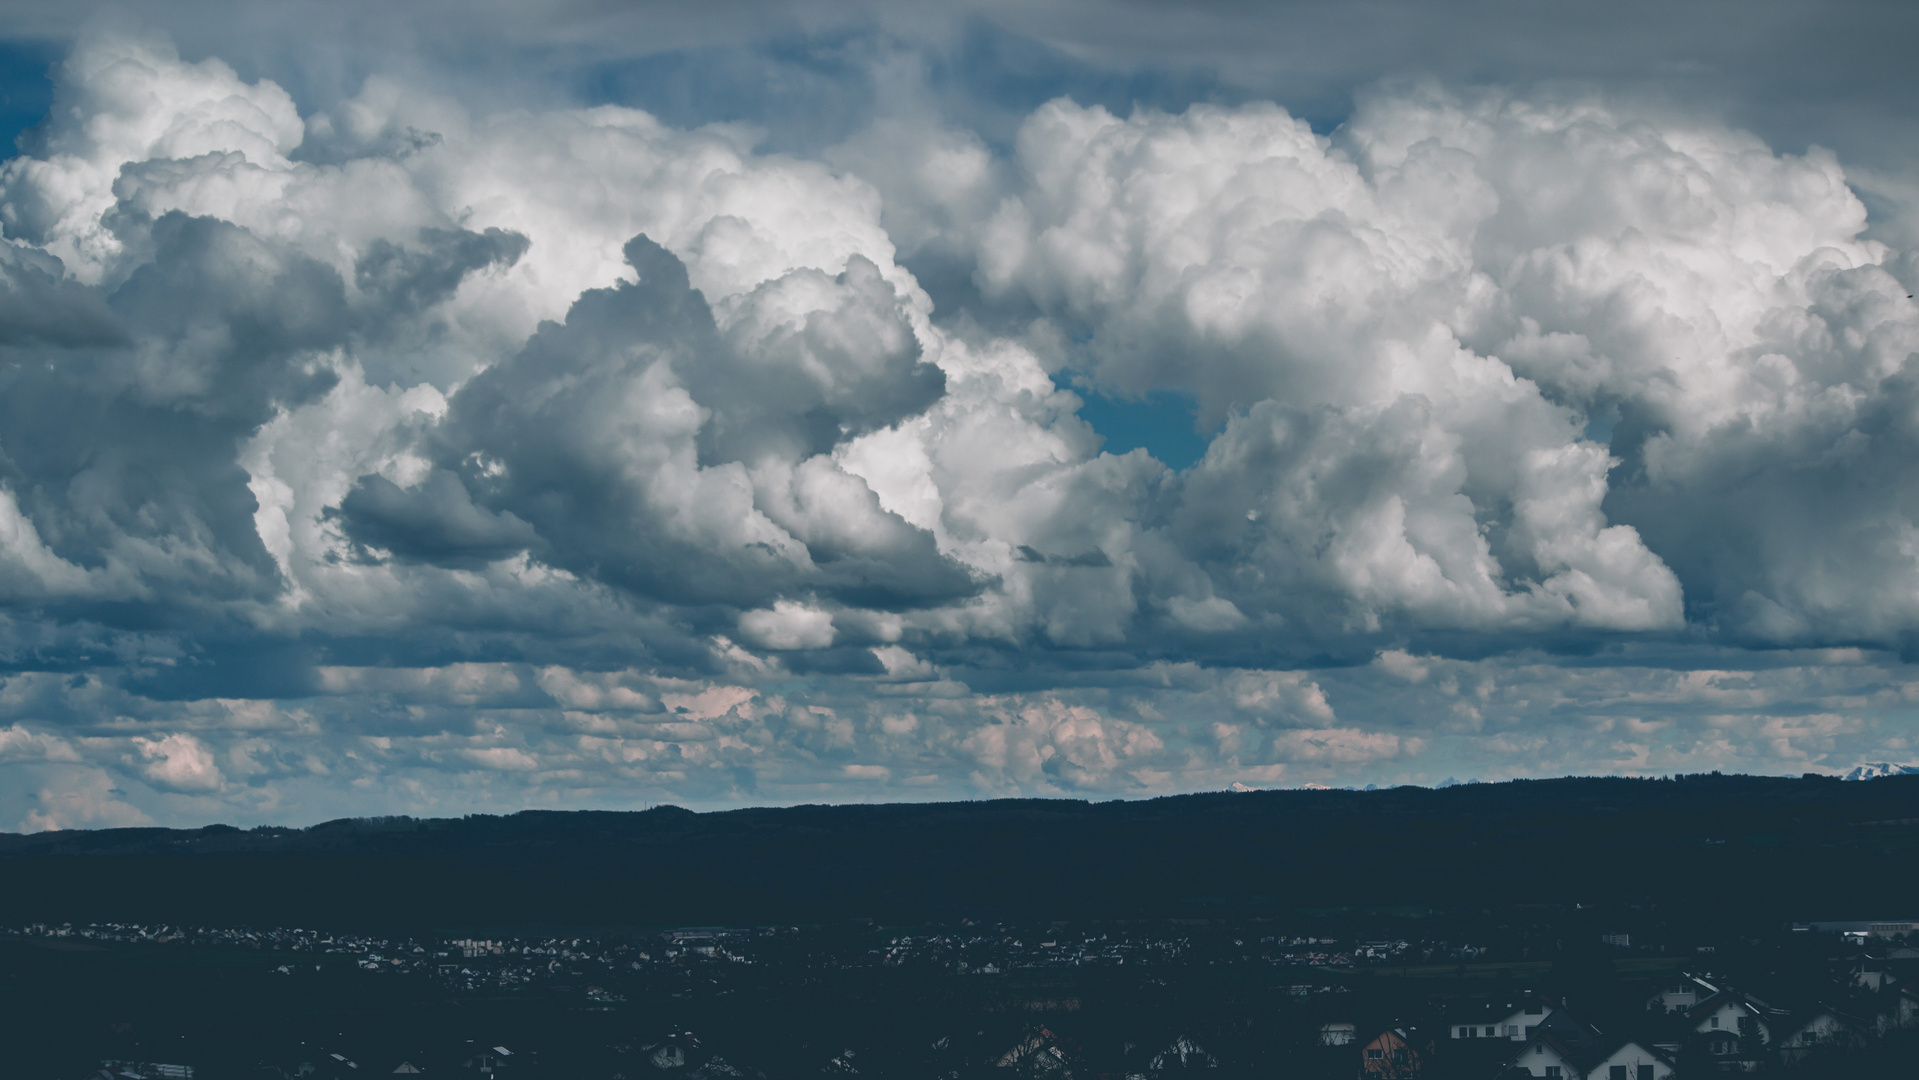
[
  {"x": 1537, "y": 1036},
  {"x": 1695, "y": 1024},
  {"x": 1692, "y": 1026}
]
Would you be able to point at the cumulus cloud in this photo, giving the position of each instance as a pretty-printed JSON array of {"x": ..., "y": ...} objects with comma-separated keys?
[
  {"x": 568, "y": 445},
  {"x": 788, "y": 625},
  {"x": 1053, "y": 745},
  {"x": 179, "y": 762},
  {"x": 19, "y": 744},
  {"x": 88, "y": 804}
]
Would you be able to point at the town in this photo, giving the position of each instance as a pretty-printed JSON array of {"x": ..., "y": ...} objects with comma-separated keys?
[{"x": 1369, "y": 995}]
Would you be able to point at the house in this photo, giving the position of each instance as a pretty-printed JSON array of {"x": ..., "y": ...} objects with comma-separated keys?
[
  {"x": 1821, "y": 1028},
  {"x": 1515, "y": 1023},
  {"x": 1039, "y": 1053},
  {"x": 1486, "y": 1022},
  {"x": 1390, "y": 1056},
  {"x": 142, "y": 1070},
  {"x": 1581, "y": 1038},
  {"x": 1681, "y": 994},
  {"x": 1631, "y": 1061},
  {"x": 1902, "y": 1011},
  {"x": 1871, "y": 975},
  {"x": 1184, "y": 1053},
  {"x": 1564, "y": 1047},
  {"x": 1546, "y": 1056},
  {"x": 676, "y": 1052},
  {"x": 1874, "y": 928},
  {"x": 1337, "y": 1034},
  {"x": 1731, "y": 1023}
]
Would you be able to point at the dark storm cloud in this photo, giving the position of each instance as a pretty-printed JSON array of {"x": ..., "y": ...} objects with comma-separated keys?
[
  {"x": 123, "y": 454},
  {"x": 399, "y": 279},
  {"x": 639, "y": 375},
  {"x": 436, "y": 522},
  {"x": 40, "y": 306}
]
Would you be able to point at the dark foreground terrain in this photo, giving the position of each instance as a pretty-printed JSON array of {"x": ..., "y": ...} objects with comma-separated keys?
[
  {"x": 1248, "y": 935},
  {"x": 1769, "y": 848}
]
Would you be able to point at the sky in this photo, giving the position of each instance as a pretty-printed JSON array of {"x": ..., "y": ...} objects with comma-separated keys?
[{"x": 444, "y": 408}]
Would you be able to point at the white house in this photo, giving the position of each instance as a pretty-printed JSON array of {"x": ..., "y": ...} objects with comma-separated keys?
[
  {"x": 1547, "y": 1057},
  {"x": 1631, "y": 1062},
  {"x": 1337, "y": 1034},
  {"x": 1681, "y": 994},
  {"x": 1730, "y": 1012},
  {"x": 1871, "y": 977},
  {"x": 1486, "y": 1024},
  {"x": 1822, "y": 1028},
  {"x": 1515, "y": 1026},
  {"x": 1902, "y": 1012}
]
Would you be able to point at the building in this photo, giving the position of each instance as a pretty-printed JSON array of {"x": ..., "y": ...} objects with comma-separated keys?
[
  {"x": 1734, "y": 1029},
  {"x": 1183, "y": 1054},
  {"x": 1863, "y": 929},
  {"x": 1550, "y": 1058},
  {"x": 142, "y": 1070},
  {"x": 1512, "y": 1022},
  {"x": 1391, "y": 1055},
  {"x": 1821, "y": 1029},
  {"x": 1681, "y": 995},
  {"x": 1631, "y": 1061},
  {"x": 1338, "y": 1033},
  {"x": 1545, "y": 1056}
]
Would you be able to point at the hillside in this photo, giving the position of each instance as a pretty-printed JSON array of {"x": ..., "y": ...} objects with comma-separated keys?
[{"x": 1773, "y": 847}]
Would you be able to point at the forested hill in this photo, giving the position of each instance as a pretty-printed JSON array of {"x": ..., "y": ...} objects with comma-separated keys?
[{"x": 1769, "y": 847}]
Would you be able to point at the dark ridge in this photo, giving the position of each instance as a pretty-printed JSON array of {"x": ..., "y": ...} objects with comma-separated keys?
[{"x": 1780, "y": 848}]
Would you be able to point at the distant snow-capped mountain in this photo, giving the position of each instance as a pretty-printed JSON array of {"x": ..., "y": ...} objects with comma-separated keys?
[{"x": 1873, "y": 770}]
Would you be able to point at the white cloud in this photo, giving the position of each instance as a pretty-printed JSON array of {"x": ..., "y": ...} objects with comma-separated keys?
[
  {"x": 125, "y": 100},
  {"x": 502, "y": 758},
  {"x": 1335, "y": 744},
  {"x": 902, "y": 665},
  {"x": 179, "y": 762},
  {"x": 88, "y": 803},
  {"x": 788, "y": 625},
  {"x": 19, "y": 744},
  {"x": 1403, "y": 665}
]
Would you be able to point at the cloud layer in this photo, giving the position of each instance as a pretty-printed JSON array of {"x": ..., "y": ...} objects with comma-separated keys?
[{"x": 411, "y": 455}]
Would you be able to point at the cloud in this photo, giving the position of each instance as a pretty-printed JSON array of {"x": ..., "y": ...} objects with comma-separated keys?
[
  {"x": 89, "y": 804},
  {"x": 1050, "y": 744},
  {"x": 19, "y": 744},
  {"x": 589, "y": 453},
  {"x": 127, "y": 100},
  {"x": 179, "y": 762},
  {"x": 787, "y": 625},
  {"x": 1335, "y": 744},
  {"x": 435, "y": 523}
]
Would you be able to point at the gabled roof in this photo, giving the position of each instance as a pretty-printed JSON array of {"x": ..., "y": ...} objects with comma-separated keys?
[
  {"x": 1802, "y": 1019},
  {"x": 1040, "y": 1040},
  {"x": 1567, "y": 1028},
  {"x": 1581, "y": 1061},
  {"x": 1495, "y": 1010},
  {"x": 1397, "y": 1034},
  {"x": 1687, "y": 981},
  {"x": 1726, "y": 997},
  {"x": 1617, "y": 1045},
  {"x": 1184, "y": 1052}
]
